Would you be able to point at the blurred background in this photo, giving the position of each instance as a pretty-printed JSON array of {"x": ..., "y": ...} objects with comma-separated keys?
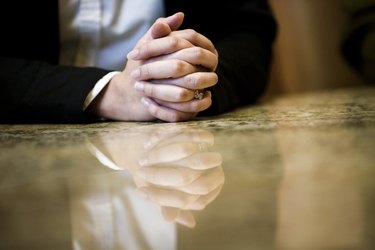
[{"x": 307, "y": 48}]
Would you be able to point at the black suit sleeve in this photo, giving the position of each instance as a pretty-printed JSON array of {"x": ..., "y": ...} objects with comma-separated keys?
[
  {"x": 358, "y": 40},
  {"x": 35, "y": 91},
  {"x": 243, "y": 32}
]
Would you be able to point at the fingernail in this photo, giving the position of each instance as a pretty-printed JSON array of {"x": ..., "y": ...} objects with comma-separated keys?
[
  {"x": 139, "y": 86},
  {"x": 133, "y": 54}
]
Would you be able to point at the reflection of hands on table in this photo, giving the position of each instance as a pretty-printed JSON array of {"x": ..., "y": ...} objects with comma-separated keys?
[
  {"x": 179, "y": 174},
  {"x": 173, "y": 169}
]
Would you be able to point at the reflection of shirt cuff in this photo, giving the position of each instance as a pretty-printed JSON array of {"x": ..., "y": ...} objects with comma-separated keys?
[
  {"x": 98, "y": 87},
  {"x": 105, "y": 160}
]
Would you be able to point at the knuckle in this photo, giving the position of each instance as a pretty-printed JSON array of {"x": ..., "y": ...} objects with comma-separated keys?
[
  {"x": 183, "y": 94},
  {"x": 197, "y": 52},
  {"x": 191, "y": 34},
  {"x": 179, "y": 66},
  {"x": 173, "y": 42}
]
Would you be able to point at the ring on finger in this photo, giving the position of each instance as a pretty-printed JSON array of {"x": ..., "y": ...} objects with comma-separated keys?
[{"x": 199, "y": 94}]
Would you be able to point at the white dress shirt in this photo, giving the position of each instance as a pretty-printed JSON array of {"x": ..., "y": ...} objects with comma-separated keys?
[{"x": 100, "y": 33}]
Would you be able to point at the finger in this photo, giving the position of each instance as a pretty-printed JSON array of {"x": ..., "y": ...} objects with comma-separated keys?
[
  {"x": 193, "y": 55},
  {"x": 196, "y": 38},
  {"x": 163, "y": 69},
  {"x": 177, "y": 89},
  {"x": 212, "y": 179},
  {"x": 158, "y": 29},
  {"x": 167, "y": 197},
  {"x": 170, "y": 213},
  {"x": 174, "y": 21},
  {"x": 169, "y": 153},
  {"x": 166, "y": 114},
  {"x": 179, "y": 200},
  {"x": 196, "y": 80},
  {"x": 186, "y": 218},
  {"x": 176, "y": 98},
  {"x": 201, "y": 160},
  {"x": 195, "y": 105},
  {"x": 174, "y": 47},
  {"x": 204, "y": 200},
  {"x": 168, "y": 93},
  {"x": 183, "y": 217},
  {"x": 172, "y": 176},
  {"x": 157, "y": 47}
]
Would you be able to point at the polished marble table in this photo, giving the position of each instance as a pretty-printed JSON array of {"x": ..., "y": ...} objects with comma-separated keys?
[{"x": 296, "y": 172}]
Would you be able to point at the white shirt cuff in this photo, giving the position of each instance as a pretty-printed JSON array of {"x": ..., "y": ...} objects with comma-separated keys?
[{"x": 98, "y": 88}]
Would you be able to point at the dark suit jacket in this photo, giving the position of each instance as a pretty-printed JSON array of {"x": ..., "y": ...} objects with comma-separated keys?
[
  {"x": 34, "y": 88},
  {"x": 358, "y": 40}
]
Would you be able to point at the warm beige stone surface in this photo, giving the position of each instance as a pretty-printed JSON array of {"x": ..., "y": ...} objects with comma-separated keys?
[{"x": 295, "y": 173}]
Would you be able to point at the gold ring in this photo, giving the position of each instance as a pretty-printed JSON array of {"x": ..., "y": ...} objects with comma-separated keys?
[{"x": 199, "y": 94}]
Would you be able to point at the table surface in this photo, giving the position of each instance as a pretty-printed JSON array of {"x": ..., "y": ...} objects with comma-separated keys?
[{"x": 297, "y": 172}]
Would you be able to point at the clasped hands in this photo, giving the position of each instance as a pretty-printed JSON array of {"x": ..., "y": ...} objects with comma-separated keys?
[
  {"x": 171, "y": 167},
  {"x": 160, "y": 78},
  {"x": 178, "y": 173}
]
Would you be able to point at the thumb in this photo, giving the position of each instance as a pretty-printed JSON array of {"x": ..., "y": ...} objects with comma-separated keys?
[
  {"x": 175, "y": 21},
  {"x": 164, "y": 26},
  {"x": 159, "y": 29}
]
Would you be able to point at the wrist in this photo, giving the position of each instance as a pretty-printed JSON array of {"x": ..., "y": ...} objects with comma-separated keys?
[{"x": 97, "y": 101}]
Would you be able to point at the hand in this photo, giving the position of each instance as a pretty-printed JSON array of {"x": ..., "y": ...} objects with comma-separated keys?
[
  {"x": 172, "y": 68},
  {"x": 119, "y": 100},
  {"x": 171, "y": 167},
  {"x": 179, "y": 174},
  {"x": 179, "y": 188}
]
